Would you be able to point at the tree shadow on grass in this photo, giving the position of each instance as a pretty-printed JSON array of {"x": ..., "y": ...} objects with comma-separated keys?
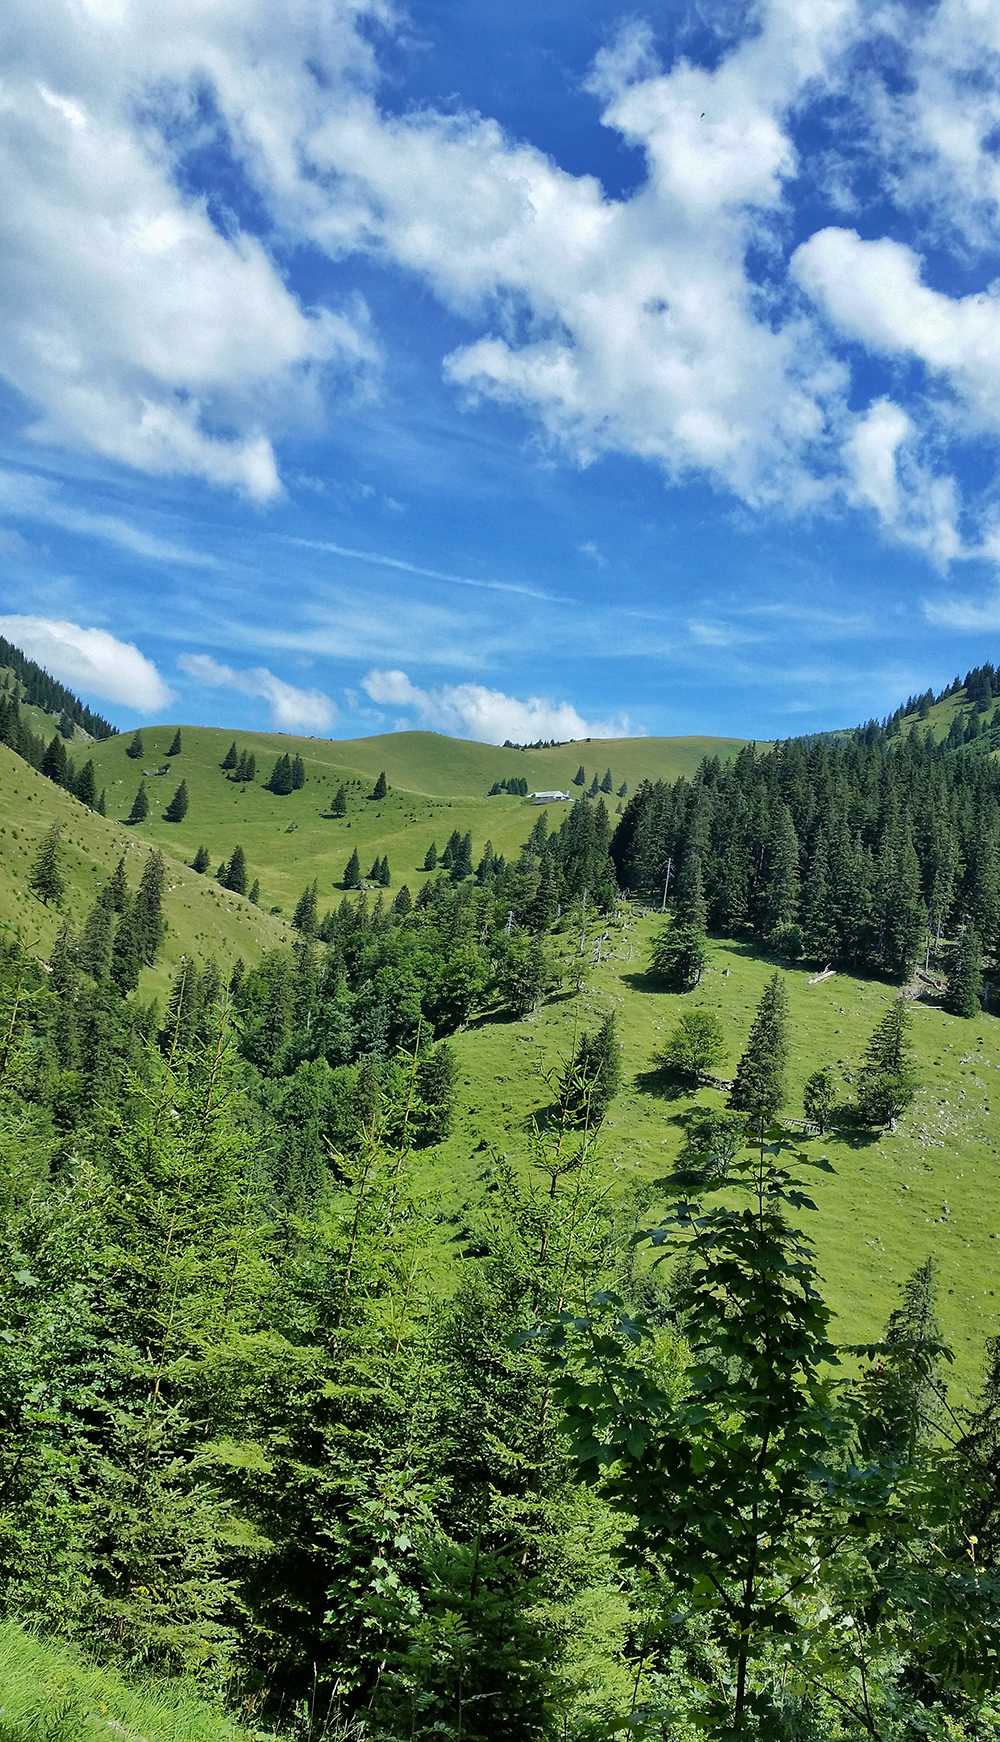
[
  {"x": 665, "y": 1085},
  {"x": 846, "y": 1124}
]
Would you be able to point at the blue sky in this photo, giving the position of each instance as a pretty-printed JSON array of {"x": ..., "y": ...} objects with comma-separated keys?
[{"x": 521, "y": 371}]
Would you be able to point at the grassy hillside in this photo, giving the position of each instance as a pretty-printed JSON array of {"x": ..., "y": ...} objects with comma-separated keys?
[
  {"x": 932, "y": 1187},
  {"x": 436, "y": 785},
  {"x": 202, "y": 919}
]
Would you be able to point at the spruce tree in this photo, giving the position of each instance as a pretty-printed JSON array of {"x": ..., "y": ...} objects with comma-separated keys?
[
  {"x": 126, "y": 954},
  {"x": 101, "y": 807},
  {"x": 254, "y": 896},
  {"x": 591, "y": 1080},
  {"x": 119, "y": 886},
  {"x": 690, "y": 906},
  {"x": 679, "y": 956},
  {"x": 140, "y": 805},
  {"x": 593, "y": 789},
  {"x": 177, "y": 808},
  {"x": 236, "y": 872},
  {"x": 175, "y": 747},
  {"x": 305, "y": 918},
  {"x": 580, "y": 777},
  {"x": 403, "y": 902},
  {"x": 339, "y": 805},
  {"x": 149, "y": 919},
  {"x": 538, "y": 840},
  {"x": 66, "y": 726},
  {"x": 85, "y": 786},
  {"x": 380, "y": 788},
  {"x": 45, "y": 878},
  {"x": 298, "y": 774},
  {"x": 886, "y": 1080},
  {"x": 94, "y": 949},
  {"x": 54, "y": 760},
  {"x": 201, "y": 860},
  {"x": 280, "y": 782},
  {"x": 135, "y": 749},
  {"x": 431, "y": 858},
  {"x": 965, "y": 975},
  {"x": 352, "y": 872},
  {"x": 607, "y": 785},
  {"x": 231, "y": 759},
  {"x": 759, "y": 1088},
  {"x": 623, "y": 790},
  {"x": 485, "y": 868},
  {"x": 819, "y": 1097},
  {"x": 461, "y": 865},
  {"x": 384, "y": 876}
]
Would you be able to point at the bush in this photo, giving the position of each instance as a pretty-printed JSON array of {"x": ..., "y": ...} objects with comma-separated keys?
[{"x": 696, "y": 1044}]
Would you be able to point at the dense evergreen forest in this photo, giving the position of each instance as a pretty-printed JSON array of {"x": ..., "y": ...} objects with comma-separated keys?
[{"x": 582, "y": 1463}]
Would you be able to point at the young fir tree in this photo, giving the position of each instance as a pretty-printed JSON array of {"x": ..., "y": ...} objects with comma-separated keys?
[
  {"x": 623, "y": 790},
  {"x": 590, "y": 1082},
  {"x": 759, "y": 1088},
  {"x": 607, "y": 785},
  {"x": 593, "y": 789},
  {"x": 125, "y": 963},
  {"x": 45, "y": 878},
  {"x": 280, "y": 782},
  {"x": 254, "y": 896},
  {"x": 231, "y": 759},
  {"x": 85, "y": 786},
  {"x": 66, "y": 726},
  {"x": 690, "y": 906},
  {"x": 965, "y": 975},
  {"x": 135, "y": 749},
  {"x": 380, "y": 788},
  {"x": 886, "y": 1080},
  {"x": 94, "y": 950},
  {"x": 175, "y": 746},
  {"x": 305, "y": 919},
  {"x": 679, "y": 956},
  {"x": 54, "y": 761},
  {"x": 339, "y": 805},
  {"x": 538, "y": 840},
  {"x": 580, "y": 777},
  {"x": 101, "y": 807},
  {"x": 907, "y": 1395},
  {"x": 236, "y": 872},
  {"x": 384, "y": 874},
  {"x": 403, "y": 903},
  {"x": 201, "y": 860},
  {"x": 461, "y": 865},
  {"x": 352, "y": 872},
  {"x": 118, "y": 886},
  {"x": 431, "y": 858},
  {"x": 176, "y": 810},
  {"x": 298, "y": 774},
  {"x": 140, "y": 805}
]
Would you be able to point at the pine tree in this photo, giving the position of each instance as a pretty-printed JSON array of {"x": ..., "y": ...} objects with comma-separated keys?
[
  {"x": 431, "y": 858},
  {"x": 54, "y": 760},
  {"x": 777, "y": 897},
  {"x": 140, "y": 805},
  {"x": 201, "y": 860},
  {"x": 403, "y": 903},
  {"x": 101, "y": 807},
  {"x": 177, "y": 808},
  {"x": 119, "y": 887},
  {"x": 135, "y": 749},
  {"x": 126, "y": 954},
  {"x": 85, "y": 786},
  {"x": 305, "y": 918},
  {"x": 352, "y": 872},
  {"x": 592, "y": 1078},
  {"x": 886, "y": 1081},
  {"x": 380, "y": 789},
  {"x": 759, "y": 1088},
  {"x": 593, "y": 789},
  {"x": 965, "y": 975},
  {"x": 94, "y": 950},
  {"x": 175, "y": 748},
  {"x": 45, "y": 878},
  {"x": 485, "y": 868},
  {"x": 66, "y": 726},
  {"x": 231, "y": 759},
  {"x": 254, "y": 896},
  {"x": 149, "y": 920},
  {"x": 298, "y": 774},
  {"x": 680, "y": 955},
  {"x": 623, "y": 790},
  {"x": 580, "y": 777},
  {"x": 538, "y": 840},
  {"x": 339, "y": 805},
  {"x": 236, "y": 872},
  {"x": 461, "y": 866},
  {"x": 909, "y": 1391},
  {"x": 690, "y": 906},
  {"x": 607, "y": 785},
  {"x": 384, "y": 875}
]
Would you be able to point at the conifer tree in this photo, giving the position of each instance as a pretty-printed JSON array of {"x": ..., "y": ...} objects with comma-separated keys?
[
  {"x": 590, "y": 1082},
  {"x": 759, "y": 1088},
  {"x": 119, "y": 886},
  {"x": 140, "y": 805},
  {"x": 461, "y": 866},
  {"x": 965, "y": 975},
  {"x": 254, "y": 896},
  {"x": 101, "y": 807},
  {"x": 66, "y": 726},
  {"x": 352, "y": 872},
  {"x": 236, "y": 872},
  {"x": 135, "y": 749},
  {"x": 607, "y": 785},
  {"x": 886, "y": 1081},
  {"x": 339, "y": 805},
  {"x": 380, "y": 788},
  {"x": 384, "y": 874},
  {"x": 593, "y": 789},
  {"x": 54, "y": 760},
  {"x": 126, "y": 955},
  {"x": 177, "y": 808},
  {"x": 201, "y": 860},
  {"x": 298, "y": 774},
  {"x": 690, "y": 906},
  {"x": 85, "y": 786},
  {"x": 431, "y": 858},
  {"x": 776, "y": 904},
  {"x": 175, "y": 747},
  {"x": 403, "y": 902},
  {"x": 539, "y": 837},
  {"x": 280, "y": 782},
  {"x": 94, "y": 950},
  {"x": 231, "y": 759},
  {"x": 149, "y": 907},
  {"x": 819, "y": 1096},
  {"x": 580, "y": 777},
  {"x": 680, "y": 955},
  {"x": 485, "y": 868},
  {"x": 305, "y": 918},
  {"x": 623, "y": 790},
  {"x": 45, "y": 878}
]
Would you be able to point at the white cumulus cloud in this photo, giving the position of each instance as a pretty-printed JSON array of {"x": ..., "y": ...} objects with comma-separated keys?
[
  {"x": 470, "y": 710},
  {"x": 291, "y": 708},
  {"x": 90, "y": 660}
]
